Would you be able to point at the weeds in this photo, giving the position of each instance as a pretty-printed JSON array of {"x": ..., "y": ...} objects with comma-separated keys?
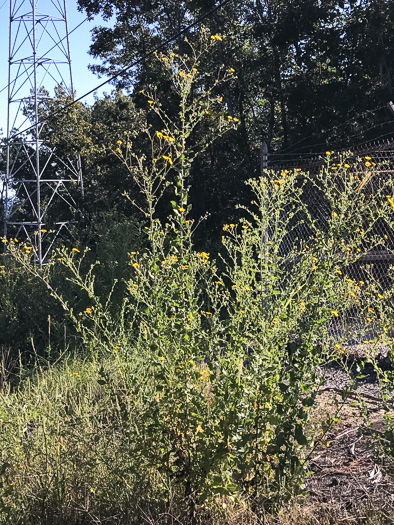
[{"x": 197, "y": 386}]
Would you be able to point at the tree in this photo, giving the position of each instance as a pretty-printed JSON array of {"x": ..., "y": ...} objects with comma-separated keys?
[{"x": 303, "y": 67}]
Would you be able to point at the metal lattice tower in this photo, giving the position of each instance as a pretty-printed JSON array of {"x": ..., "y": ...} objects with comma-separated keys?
[{"x": 40, "y": 184}]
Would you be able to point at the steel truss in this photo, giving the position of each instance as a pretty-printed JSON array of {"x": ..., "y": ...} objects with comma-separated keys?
[{"x": 39, "y": 187}]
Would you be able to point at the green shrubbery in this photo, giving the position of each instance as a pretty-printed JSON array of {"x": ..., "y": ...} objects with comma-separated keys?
[{"x": 199, "y": 370}]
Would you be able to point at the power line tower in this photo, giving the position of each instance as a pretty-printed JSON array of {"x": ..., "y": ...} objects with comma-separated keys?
[{"x": 40, "y": 199}]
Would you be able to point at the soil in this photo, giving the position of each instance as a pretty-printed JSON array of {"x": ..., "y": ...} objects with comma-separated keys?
[{"x": 350, "y": 482}]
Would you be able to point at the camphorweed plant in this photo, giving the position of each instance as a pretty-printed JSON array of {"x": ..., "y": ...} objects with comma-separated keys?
[
  {"x": 212, "y": 373},
  {"x": 376, "y": 303}
]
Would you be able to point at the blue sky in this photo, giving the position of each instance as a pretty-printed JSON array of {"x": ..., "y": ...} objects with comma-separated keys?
[{"x": 80, "y": 39}]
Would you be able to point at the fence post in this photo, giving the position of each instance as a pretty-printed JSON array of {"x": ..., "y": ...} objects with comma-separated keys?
[
  {"x": 263, "y": 167},
  {"x": 263, "y": 157}
]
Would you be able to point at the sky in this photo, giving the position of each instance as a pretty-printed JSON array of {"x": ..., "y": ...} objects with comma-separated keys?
[{"x": 80, "y": 39}]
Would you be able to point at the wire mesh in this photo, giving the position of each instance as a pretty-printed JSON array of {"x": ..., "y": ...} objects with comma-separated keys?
[{"x": 374, "y": 265}]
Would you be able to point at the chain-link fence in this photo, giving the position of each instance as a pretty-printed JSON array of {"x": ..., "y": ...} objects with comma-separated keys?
[{"x": 374, "y": 166}]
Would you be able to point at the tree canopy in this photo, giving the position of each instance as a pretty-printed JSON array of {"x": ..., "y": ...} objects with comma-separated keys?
[{"x": 308, "y": 76}]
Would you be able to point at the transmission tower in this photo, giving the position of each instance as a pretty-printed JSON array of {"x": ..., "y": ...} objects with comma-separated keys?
[{"x": 40, "y": 184}]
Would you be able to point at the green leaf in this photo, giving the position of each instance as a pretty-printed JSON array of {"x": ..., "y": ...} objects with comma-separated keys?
[{"x": 299, "y": 435}]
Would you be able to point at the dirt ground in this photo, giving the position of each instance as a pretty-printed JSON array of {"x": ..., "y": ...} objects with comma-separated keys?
[{"x": 350, "y": 483}]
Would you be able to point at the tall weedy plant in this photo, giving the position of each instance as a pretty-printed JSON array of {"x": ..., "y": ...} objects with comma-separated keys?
[{"x": 219, "y": 369}]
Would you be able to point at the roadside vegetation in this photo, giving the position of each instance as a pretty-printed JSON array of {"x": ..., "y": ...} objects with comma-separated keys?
[{"x": 147, "y": 380}]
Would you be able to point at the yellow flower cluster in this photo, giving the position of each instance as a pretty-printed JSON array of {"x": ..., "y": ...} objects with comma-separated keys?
[
  {"x": 235, "y": 119},
  {"x": 216, "y": 37},
  {"x": 161, "y": 135},
  {"x": 205, "y": 374},
  {"x": 168, "y": 159}
]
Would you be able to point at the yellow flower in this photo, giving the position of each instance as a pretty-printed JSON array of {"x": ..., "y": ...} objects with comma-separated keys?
[
  {"x": 367, "y": 164},
  {"x": 150, "y": 101},
  {"x": 168, "y": 159},
  {"x": 229, "y": 117},
  {"x": 88, "y": 310},
  {"x": 199, "y": 429},
  {"x": 232, "y": 70},
  {"x": 367, "y": 158},
  {"x": 195, "y": 69},
  {"x": 135, "y": 265},
  {"x": 182, "y": 210},
  {"x": 216, "y": 37},
  {"x": 204, "y": 255},
  {"x": 334, "y": 214},
  {"x": 75, "y": 250},
  {"x": 164, "y": 58},
  {"x": 43, "y": 230},
  {"x": 328, "y": 152},
  {"x": 236, "y": 119},
  {"x": 119, "y": 142},
  {"x": 159, "y": 134},
  {"x": 161, "y": 358},
  {"x": 335, "y": 313},
  {"x": 208, "y": 313},
  {"x": 75, "y": 374}
]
